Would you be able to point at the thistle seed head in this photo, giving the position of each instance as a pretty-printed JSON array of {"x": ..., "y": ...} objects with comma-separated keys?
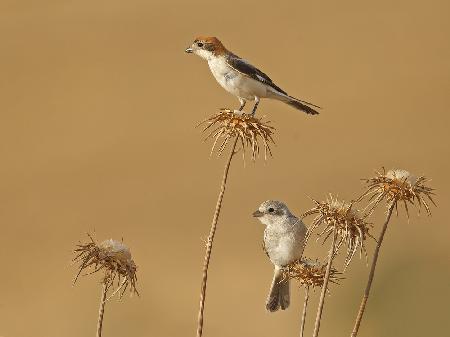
[
  {"x": 350, "y": 224},
  {"x": 310, "y": 273},
  {"x": 397, "y": 186},
  {"x": 252, "y": 132},
  {"x": 113, "y": 258}
]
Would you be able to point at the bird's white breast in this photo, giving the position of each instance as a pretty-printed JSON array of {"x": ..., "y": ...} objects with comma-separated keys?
[
  {"x": 234, "y": 82},
  {"x": 284, "y": 244}
]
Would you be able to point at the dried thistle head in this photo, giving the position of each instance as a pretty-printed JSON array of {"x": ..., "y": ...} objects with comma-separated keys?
[
  {"x": 250, "y": 131},
  {"x": 309, "y": 273},
  {"x": 350, "y": 224},
  {"x": 113, "y": 258},
  {"x": 398, "y": 186}
]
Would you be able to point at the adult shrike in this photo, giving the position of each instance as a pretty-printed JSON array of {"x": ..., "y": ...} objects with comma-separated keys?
[
  {"x": 240, "y": 78},
  {"x": 284, "y": 239}
]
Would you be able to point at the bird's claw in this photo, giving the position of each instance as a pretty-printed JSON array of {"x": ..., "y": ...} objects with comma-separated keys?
[{"x": 239, "y": 112}]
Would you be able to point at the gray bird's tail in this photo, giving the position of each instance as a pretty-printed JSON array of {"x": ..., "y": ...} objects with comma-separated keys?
[
  {"x": 279, "y": 294},
  {"x": 295, "y": 102}
]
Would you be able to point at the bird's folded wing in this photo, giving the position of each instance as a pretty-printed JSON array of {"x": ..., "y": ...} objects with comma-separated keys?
[
  {"x": 247, "y": 69},
  {"x": 264, "y": 248}
]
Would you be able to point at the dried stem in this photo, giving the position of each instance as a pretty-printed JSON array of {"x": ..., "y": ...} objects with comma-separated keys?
[
  {"x": 209, "y": 243},
  {"x": 101, "y": 310},
  {"x": 305, "y": 306},
  {"x": 325, "y": 284},
  {"x": 362, "y": 307}
]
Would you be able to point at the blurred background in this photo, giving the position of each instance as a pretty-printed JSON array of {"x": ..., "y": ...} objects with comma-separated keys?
[{"x": 98, "y": 107}]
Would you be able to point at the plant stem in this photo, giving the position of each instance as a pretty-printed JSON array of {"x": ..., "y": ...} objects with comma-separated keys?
[
  {"x": 362, "y": 306},
  {"x": 101, "y": 310},
  {"x": 305, "y": 305},
  {"x": 325, "y": 286},
  {"x": 209, "y": 243}
]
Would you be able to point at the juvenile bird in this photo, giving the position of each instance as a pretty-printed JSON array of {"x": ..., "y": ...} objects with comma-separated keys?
[
  {"x": 240, "y": 78},
  {"x": 284, "y": 239}
]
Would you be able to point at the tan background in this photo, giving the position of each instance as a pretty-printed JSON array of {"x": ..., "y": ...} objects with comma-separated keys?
[{"x": 98, "y": 106}]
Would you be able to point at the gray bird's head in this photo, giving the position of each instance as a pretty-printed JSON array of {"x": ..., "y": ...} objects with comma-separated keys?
[{"x": 271, "y": 212}]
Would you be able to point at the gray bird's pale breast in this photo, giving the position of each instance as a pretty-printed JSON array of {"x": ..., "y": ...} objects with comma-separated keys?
[
  {"x": 236, "y": 83},
  {"x": 284, "y": 242}
]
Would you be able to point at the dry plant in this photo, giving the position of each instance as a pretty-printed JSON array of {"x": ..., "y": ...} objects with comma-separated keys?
[
  {"x": 227, "y": 126},
  {"x": 310, "y": 274},
  {"x": 114, "y": 259},
  {"x": 351, "y": 225},
  {"x": 397, "y": 186},
  {"x": 345, "y": 225},
  {"x": 394, "y": 187},
  {"x": 250, "y": 130}
]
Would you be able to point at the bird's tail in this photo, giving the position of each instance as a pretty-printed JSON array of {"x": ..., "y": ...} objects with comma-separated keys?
[
  {"x": 295, "y": 102},
  {"x": 279, "y": 294}
]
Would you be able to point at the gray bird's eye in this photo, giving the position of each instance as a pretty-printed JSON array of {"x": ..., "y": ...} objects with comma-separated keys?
[
  {"x": 271, "y": 210},
  {"x": 199, "y": 44}
]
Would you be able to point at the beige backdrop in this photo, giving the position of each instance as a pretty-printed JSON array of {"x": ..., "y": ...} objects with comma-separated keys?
[{"x": 99, "y": 104}]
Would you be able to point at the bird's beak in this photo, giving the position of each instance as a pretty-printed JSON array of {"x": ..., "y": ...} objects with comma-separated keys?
[
  {"x": 189, "y": 50},
  {"x": 258, "y": 214}
]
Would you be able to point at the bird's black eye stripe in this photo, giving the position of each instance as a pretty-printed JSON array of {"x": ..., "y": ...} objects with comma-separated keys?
[
  {"x": 271, "y": 210},
  {"x": 199, "y": 44}
]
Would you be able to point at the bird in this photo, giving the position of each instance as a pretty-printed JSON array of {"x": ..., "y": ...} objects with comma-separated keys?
[
  {"x": 284, "y": 240},
  {"x": 240, "y": 78}
]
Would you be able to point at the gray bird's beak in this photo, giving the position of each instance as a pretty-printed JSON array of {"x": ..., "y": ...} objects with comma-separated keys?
[
  {"x": 258, "y": 214},
  {"x": 189, "y": 50}
]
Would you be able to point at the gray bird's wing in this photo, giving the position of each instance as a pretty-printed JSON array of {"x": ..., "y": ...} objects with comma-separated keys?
[
  {"x": 247, "y": 69},
  {"x": 264, "y": 249}
]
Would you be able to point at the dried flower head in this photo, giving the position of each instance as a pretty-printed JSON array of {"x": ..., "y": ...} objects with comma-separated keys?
[
  {"x": 350, "y": 224},
  {"x": 249, "y": 129},
  {"x": 309, "y": 273},
  {"x": 112, "y": 257},
  {"x": 398, "y": 186}
]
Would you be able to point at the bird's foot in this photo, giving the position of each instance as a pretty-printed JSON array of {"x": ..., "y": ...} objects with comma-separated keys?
[{"x": 239, "y": 112}]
